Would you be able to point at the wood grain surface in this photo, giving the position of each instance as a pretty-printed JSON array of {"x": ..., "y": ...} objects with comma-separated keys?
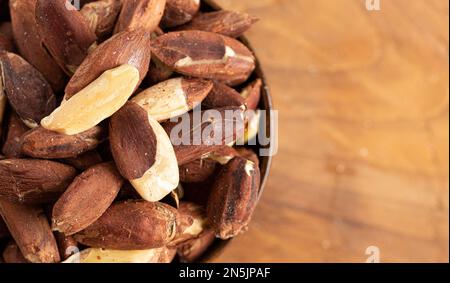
[{"x": 363, "y": 99}]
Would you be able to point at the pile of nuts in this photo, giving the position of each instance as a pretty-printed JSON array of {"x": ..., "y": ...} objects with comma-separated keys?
[{"x": 89, "y": 171}]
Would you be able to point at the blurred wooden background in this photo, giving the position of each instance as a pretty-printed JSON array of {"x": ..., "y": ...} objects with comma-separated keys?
[{"x": 363, "y": 98}]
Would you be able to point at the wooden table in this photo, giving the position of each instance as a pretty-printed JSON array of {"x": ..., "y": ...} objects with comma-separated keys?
[{"x": 363, "y": 99}]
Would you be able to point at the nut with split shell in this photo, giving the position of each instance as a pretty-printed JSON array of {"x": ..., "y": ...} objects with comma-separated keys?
[
  {"x": 173, "y": 97},
  {"x": 143, "y": 152},
  {"x": 233, "y": 198},
  {"x": 221, "y": 58}
]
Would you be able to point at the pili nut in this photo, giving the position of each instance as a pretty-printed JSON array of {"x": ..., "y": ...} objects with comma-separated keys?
[
  {"x": 158, "y": 72},
  {"x": 85, "y": 160},
  {"x": 143, "y": 152},
  {"x": 95, "y": 255},
  {"x": 31, "y": 231},
  {"x": 218, "y": 127},
  {"x": 94, "y": 103},
  {"x": 191, "y": 222},
  {"x": 12, "y": 254},
  {"x": 248, "y": 154},
  {"x": 137, "y": 14},
  {"x": 252, "y": 127},
  {"x": 252, "y": 94},
  {"x": 197, "y": 171},
  {"x": 65, "y": 32},
  {"x": 131, "y": 48},
  {"x": 33, "y": 181},
  {"x": 173, "y": 97},
  {"x": 222, "y": 155},
  {"x": 46, "y": 144},
  {"x": 30, "y": 44},
  {"x": 67, "y": 245},
  {"x": 223, "y": 96},
  {"x": 233, "y": 198},
  {"x": 12, "y": 148},
  {"x": 221, "y": 58},
  {"x": 132, "y": 225},
  {"x": 179, "y": 12},
  {"x": 228, "y": 23},
  {"x": 25, "y": 86},
  {"x": 192, "y": 249},
  {"x": 102, "y": 15},
  {"x": 86, "y": 199}
]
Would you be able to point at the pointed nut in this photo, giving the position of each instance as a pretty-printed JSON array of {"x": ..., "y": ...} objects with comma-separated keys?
[
  {"x": 96, "y": 102},
  {"x": 131, "y": 48},
  {"x": 223, "y": 96},
  {"x": 233, "y": 198},
  {"x": 173, "y": 97},
  {"x": 30, "y": 44},
  {"x": 30, "y": 229},
  {"x": 46, "y": 144},
  {"x": 12, "y": 148},
  {"x": 191, "y": 250},
  {"x": 221, "y": 58},
  {"x": 65, "y": 32},
  {"x": 86, "y": 199},
  {"x": 252, "y": 94},
  {"x": 143, "y": 152},
  {"x": 153, "y": 225},
  {"x": 25, "y": 86}
]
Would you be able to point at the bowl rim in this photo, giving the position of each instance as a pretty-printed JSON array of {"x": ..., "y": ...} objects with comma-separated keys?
[{"x": 219, "y": 245}]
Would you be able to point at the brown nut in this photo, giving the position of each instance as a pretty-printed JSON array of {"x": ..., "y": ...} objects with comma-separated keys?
[
  {"x": 192, "y": 249},
  {"x": 252, "y": 94},
  {"x": 131, "y": 48},
  {"x": 94, "y": 255},
  {"x": 102, "y": 15},
  {"x": 221, "y": 58},
  {"x": 223, "y": 96},
  {"x": 153, "y": 225},
  {"x": 137, "y": 14},
  {"x": 217, "y": 128},
  {"x": 30, "y": 43},
  {"x": 31, "y": 231},
  {"x": 197, "y": 171},
  {"x": 46, "y": 144},
  {"x": 228, "y": 23},
  {"x": 173, "y": 97},
  {"x": 65, "y": 32},
  {"x": 25, "y": 87},
  {"x": 12, "y": 148},
  {"x": 86, "y": 199},
  {"x": 143, "y": 152},
  {"x": 179, "y": 12},
  {"x": 33, "y": 181},
  {"x": 233, "y": 198},
  {"x": 12, "y": 254}
]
